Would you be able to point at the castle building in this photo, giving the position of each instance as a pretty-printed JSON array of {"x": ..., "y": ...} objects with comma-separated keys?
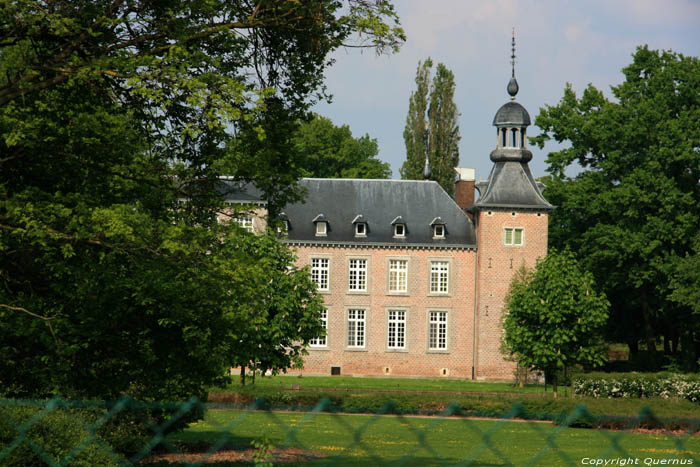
[{"x": 414, "y": 281}]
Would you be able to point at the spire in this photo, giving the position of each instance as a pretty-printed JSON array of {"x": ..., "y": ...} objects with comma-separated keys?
[{"x": 513, "y": 83}]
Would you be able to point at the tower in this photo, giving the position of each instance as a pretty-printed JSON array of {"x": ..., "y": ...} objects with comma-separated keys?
[{"x": 511, "y": 217}]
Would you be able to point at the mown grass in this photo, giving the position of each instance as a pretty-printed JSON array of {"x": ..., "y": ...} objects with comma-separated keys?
[
  {"x": 376, "y": 440},
  {"x": 386, "y": 384},
  {"x": 425, "y": 396}
]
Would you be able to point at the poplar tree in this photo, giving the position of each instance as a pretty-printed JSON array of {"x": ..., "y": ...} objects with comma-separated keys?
[
  {"x": 416, "y": 131},
  {"x": 431, "y": 128}
]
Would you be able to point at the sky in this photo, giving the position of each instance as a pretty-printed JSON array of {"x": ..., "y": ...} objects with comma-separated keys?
[{"x": 557, "y": 41}]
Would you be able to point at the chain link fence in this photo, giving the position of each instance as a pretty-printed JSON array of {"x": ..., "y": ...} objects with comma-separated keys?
[{"x": 61, "y": 432}]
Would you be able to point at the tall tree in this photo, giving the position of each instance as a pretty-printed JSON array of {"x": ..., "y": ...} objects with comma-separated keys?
[
  {"x": 633, "y": 211},
  {"x": 111, "y": 114},
  {"x": 436, "y": 137},
  {"x": 555, "y": 316},
  {"x": 415, "y": 134},
  {"x": 330, "y": 151}
]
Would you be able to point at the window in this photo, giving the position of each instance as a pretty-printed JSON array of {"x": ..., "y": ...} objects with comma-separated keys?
[
  {"x": 321, "y": 341},
  {"x": 356, "y": 328},
  {"x": 437, "y": 331},
  {"x": 360, "y": 229},
  {"x": 321, "y": 228},
  {"x": 245, "y": 223},
  {"x": 357, "y": 275},
  {"x": 396, "y": 331},
  {"x": 439, "y": 276},
  {"x": 398, "y": 275},
  {"x": 320, "y": 272},
  {"x": 399, "y": 230},
  {"x": 439, "y": 231},
  {"x": 513, "y": 237}
]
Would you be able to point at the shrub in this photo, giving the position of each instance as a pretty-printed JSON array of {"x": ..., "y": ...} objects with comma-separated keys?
[
  {"x": 638, "y": 385},
  {"x": 56, "y": 434}
]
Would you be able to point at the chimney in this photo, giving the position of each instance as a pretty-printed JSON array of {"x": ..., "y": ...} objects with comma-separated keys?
[{"x": 464, "y": 189}]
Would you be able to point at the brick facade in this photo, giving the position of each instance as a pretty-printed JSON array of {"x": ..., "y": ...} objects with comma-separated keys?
[
  {"x": 496, "y": 266},
  {"x": 375, "y": 358},
  {"x": 498, "y": 263}
]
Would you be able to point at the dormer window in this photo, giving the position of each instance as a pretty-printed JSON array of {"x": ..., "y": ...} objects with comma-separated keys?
[
  {"x": 439, "y": 231},
  {"x": 438, "y": 228},
  {"x": 360, "y": 226},
  {"x": 284, "y": 223},
  {"x": 321, "y": 225},
  {"x": 399, "y": 227}
]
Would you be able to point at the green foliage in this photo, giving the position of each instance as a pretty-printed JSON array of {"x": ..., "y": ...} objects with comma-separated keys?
[
  {"x": 57, "y": 436},
  {"x": 330, "y": 151},
  {"x": 436, "y": 137},
  {"x": 263, "y": 451},
  {"x": 631, "y": 215},
  {"x": 112, "y": 114},
  {"x": 279, "y": 311},
  {"x": 555, "y": 316}
]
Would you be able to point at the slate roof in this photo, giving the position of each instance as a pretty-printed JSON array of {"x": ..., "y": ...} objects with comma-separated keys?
[
  {"x": 234, "y": 191},
  {"x": 511, "y": 185},
  {"x": 511, "y": 113},
  {"x": 379, "y": 202}
]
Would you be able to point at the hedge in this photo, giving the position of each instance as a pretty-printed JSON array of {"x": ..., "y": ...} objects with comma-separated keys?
[{"x": 638, "y": 385}]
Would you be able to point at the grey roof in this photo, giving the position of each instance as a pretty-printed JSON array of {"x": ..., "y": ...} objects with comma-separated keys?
[
  {"x": 512, "y": 113},
  {"x": 380, "y": 202},
  {"x": 511, "y": 185},
  {"x": 234, "y": 191}
]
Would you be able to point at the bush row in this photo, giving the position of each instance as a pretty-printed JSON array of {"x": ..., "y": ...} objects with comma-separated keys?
[{"x": 638, "y": 385}]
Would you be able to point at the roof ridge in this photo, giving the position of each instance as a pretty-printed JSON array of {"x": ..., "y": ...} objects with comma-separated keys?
[{"x": 369, "y": 180}]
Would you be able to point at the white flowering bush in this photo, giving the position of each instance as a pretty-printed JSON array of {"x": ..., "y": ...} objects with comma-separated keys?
[{"x": 664, "y": 385}]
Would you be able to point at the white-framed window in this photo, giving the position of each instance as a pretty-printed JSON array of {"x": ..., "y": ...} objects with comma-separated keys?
[
  {"x": 396, "y": 330},
  {"x": 357, "y": 275},
  {"x": 398, "y": 275},
  {"x": 321, "y": 229},
  {"x": 399, "y": 230},
  {"x": 513, "y": 236},
  {"x": 439, "y": 231},
  {"x": 320, "y": 273},
  {"x": 245, "y": 222},
  {"x": 360, "y": 229},
  {"x": 321, "y": 341},
  {"x": 437, "y": 330},
  {"x": 439, "y": 276},
  {"x": 356, "y": 328}
]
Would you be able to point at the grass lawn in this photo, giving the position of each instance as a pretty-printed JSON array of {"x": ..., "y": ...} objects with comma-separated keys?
[
  {"x": 401, "y": 384},
  {"x": 373, "y": 440}
]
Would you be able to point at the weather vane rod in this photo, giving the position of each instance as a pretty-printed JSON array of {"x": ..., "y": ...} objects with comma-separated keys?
[{"x": 512, "y": 55}]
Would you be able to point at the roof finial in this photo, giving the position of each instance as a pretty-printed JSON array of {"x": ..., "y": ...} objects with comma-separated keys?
[
  {"x": 512, "y": 84},
  {"x": 426, "y": 170}
]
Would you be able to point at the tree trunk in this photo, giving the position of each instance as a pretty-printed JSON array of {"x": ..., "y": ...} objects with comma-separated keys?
[
  {"x": 648, "y": 327},
  {"x": 554, "y": 383},
  {"x": 242, "y": 375},
  {"x": 633, "y": 345}
]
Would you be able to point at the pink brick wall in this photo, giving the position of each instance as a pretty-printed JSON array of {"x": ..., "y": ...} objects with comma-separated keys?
[
  {"x": 497, "y": 264},
  {"x": 376, "y": 358}
]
